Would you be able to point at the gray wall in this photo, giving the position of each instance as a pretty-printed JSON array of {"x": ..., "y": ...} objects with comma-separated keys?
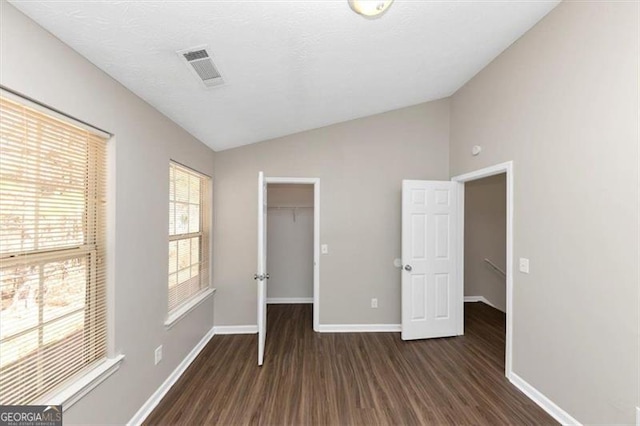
[
  {"x": 562, "y": 103},
  {"x": 485, "y": 237},
  {"x": 290, "y": 241},
  {"x": 361, "y": 164},
  {"x": 40, "y": 66}
]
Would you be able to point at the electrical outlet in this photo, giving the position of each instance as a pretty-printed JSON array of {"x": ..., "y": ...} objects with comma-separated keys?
[
  {"x": 158, "y": 354},
  {"x": 324, "y": 248},
  {"x": 524, "y": 265},
  {"x": 374, "y": 303}
]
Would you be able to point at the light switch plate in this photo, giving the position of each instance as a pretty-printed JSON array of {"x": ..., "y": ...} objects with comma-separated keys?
[
  {"x": 524, "y": 265},
  {"x": 324, "y": 248}
]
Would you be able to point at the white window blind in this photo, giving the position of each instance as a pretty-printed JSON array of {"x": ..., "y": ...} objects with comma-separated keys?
[
  {"x": 52, "y": 266},
  {"x": 188, "y": 234}
]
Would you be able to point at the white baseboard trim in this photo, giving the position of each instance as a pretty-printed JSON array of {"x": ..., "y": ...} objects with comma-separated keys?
[
  {"x": 324, "y": 328},
  {"x": 479, "y": 299},
  {"x": 360, "y": 328},
  {"x": 288, "y": 300},
  {"x": 235, "y": 329},
  {"x": 157, "y": 396},
  {"x": 545, "y": 403}
]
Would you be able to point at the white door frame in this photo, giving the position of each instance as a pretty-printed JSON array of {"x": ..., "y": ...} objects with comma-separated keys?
[
  {"x": 316, "y": 237},
  {"x": 461, "y": 180}
]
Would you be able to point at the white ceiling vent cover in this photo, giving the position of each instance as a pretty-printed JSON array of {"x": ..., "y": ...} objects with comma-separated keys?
[{"x": 200, "y": 64}]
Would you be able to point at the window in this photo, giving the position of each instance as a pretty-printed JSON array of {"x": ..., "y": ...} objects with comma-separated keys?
[
  {"x": 188, "y": 235},
  {"x": 52, "y": 266}
]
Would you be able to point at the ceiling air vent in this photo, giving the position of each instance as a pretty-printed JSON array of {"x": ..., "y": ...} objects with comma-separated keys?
[{"x": 200, "y": 64}]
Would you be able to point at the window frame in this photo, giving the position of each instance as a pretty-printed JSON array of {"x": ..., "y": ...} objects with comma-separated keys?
[
  {"x": 71, "y": 389},
  {"x": 189, "y": 303}
]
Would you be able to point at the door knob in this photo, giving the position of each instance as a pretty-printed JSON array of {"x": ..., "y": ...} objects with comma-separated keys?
[{"x": 408, "y": 268}]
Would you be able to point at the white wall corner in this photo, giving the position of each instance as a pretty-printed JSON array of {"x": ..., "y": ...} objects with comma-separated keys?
[
  {"x": 157, "y": 396},
  {"x": 545, "y": 403}
]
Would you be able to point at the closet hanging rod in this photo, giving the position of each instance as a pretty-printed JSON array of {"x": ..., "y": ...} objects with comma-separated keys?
[{"x": 495, "y": 267}]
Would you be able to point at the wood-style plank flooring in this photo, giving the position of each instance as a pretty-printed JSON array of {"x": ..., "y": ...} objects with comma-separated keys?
[{"x": 347, "y": 379}]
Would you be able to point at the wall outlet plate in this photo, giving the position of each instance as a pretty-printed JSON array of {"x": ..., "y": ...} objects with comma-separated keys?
[
  {"x": 374, "y": 303},
  {"x": 324, "y": 248},
  {"x": 524, "y": 265}
]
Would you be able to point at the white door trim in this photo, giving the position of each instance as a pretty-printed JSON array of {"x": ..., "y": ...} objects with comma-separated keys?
[
  {"x": 316, "y": 237},
  {"x": 461, "y": 180},
  {"x": 261, "y": 273}
]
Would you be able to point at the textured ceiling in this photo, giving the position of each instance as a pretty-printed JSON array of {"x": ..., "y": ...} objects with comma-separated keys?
[{"x": 289, "y": 66}]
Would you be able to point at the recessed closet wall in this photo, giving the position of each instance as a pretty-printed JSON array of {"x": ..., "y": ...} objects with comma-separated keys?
[
  {"x": 485, "y": 236},
  {"x": 290, "y": 242}
]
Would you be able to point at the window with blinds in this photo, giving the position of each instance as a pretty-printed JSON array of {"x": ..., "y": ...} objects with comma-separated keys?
[
  {"x": 52, "y": 266},
  {"x": 188, "y": 234}
]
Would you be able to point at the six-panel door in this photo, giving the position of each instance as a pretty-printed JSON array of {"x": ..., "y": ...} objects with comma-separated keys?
[{"x": 432, "y": 297}]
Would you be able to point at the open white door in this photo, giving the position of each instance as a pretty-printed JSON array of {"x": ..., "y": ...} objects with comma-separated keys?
[
  {"x": 262, "y": 276},
  {"x": 432, "y": 297}
]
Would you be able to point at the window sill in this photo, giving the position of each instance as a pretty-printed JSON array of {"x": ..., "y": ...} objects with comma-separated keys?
[
  {"x": 183, "y": 310},
  {"x": 85, "y": 383}
]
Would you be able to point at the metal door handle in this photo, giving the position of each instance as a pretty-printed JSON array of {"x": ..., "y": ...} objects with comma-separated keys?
[{"x": 408, "y": 268}]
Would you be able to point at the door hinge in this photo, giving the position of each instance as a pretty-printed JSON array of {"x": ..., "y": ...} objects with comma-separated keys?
[{"x": 261, "y": 277}]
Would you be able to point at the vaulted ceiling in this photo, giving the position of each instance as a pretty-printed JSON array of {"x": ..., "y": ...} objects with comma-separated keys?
[{"x": 288, "y": 66}]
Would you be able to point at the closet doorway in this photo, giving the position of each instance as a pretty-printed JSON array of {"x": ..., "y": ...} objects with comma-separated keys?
[
  {"x": 292, "y": 228},
  {"x": 485, "y": 247}
]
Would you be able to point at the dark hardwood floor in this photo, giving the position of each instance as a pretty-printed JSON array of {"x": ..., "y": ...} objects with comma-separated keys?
[{"x": 345, "y": 379}]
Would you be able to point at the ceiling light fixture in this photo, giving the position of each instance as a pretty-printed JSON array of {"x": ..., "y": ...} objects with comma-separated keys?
[{"x": 370, "y": 8}]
